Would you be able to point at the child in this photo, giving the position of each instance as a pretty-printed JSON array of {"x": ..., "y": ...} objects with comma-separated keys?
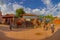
[
  {"x": 52, "y": 28},
  {"x": 11, "y": 25}
]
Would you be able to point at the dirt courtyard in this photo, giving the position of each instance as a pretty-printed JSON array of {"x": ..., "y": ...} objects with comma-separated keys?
[{"x": 28, "y": 34}]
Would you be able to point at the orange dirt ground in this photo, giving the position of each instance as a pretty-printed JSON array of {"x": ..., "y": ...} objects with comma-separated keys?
[{"x": 28, "y": 34}]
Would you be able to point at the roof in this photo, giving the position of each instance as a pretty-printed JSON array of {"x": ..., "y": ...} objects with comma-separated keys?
[
  {"x": 28, "y": 15},
  {"x": 9, "y": 16}
]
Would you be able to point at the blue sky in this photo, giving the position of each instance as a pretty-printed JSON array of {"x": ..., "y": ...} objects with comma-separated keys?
[
  {"x": 39, "y": 7},
  {"x": 32, "y": 3}
]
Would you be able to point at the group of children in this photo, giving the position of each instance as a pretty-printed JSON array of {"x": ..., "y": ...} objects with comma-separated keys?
[
  {"x": 46, "y": 26},
  {"x": 51, "y": 26}
]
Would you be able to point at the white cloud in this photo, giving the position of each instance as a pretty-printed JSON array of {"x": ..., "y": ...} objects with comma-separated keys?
[
  {"x": 58, "y": 4},
  {"x": 21, "y": 2},
  {"x": 16, "y": 6},
  {"x": 54, "y": 11},
  {"x": 35, "y": 10},
  {"x": 38, "y": 11},
  {"x": 6, "y": 8},
  {"x": 28, "y": 10},
  {"x": 3, "y": 8},
  {"x": 57, "y": 8},
  {"x": 47, "y": 2},
  {"x": 49, "y": 10},
  {"x": 43, "y": 11},
  {"x": 9, "y": 3}
]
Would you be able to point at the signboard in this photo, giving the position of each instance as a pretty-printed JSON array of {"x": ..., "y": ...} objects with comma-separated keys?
[{"x": 27, "y": 19}]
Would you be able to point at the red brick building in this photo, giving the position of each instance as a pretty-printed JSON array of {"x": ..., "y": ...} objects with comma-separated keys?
[
  {"x": 0, "y": 17},
  {"x": 9, "y": 17},
  {"x": 6, "y": 18}
]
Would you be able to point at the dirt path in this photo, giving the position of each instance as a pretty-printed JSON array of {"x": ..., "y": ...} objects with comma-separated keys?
[{"x": 28, "y": 34}]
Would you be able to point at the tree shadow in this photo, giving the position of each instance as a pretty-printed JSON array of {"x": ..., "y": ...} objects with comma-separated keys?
[
  {"x": 6, "y": 28},
  {"x": 4, "y": 37},
  {"x": 55, "y": 36}
]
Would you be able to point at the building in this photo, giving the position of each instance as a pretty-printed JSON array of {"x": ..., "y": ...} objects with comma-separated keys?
[
  {"x": 1, "y": 17},
  {"x": 28, "y": 17},
  {"x": 6, "y": 18},
  {"x": 9, "y": 18}
]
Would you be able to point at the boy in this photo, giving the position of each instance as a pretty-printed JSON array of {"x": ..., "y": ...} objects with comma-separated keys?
[{"x": 52, "y": 28}]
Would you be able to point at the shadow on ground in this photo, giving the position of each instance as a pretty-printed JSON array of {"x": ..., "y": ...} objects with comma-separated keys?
[
  {"x": 3, "y": 37},
  {"x": 55, "y": 36},
  {"x": 6, "y": 28}
]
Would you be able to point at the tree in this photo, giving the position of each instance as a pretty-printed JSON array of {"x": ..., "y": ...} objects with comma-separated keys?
[
  {"x": 19, "y": 12},
  {"x": 49, "y": 17},
  {"x": 41, "y": 16}
]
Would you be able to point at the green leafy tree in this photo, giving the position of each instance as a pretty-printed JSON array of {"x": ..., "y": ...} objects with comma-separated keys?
[
  {"x": 41, "y": 16},
  {"x": 50, "y": 17},
  {"x": 19, "y": 12}
]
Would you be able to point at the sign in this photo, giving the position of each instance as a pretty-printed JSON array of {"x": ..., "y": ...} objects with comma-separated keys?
[{"x": 27, "y": 19}]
